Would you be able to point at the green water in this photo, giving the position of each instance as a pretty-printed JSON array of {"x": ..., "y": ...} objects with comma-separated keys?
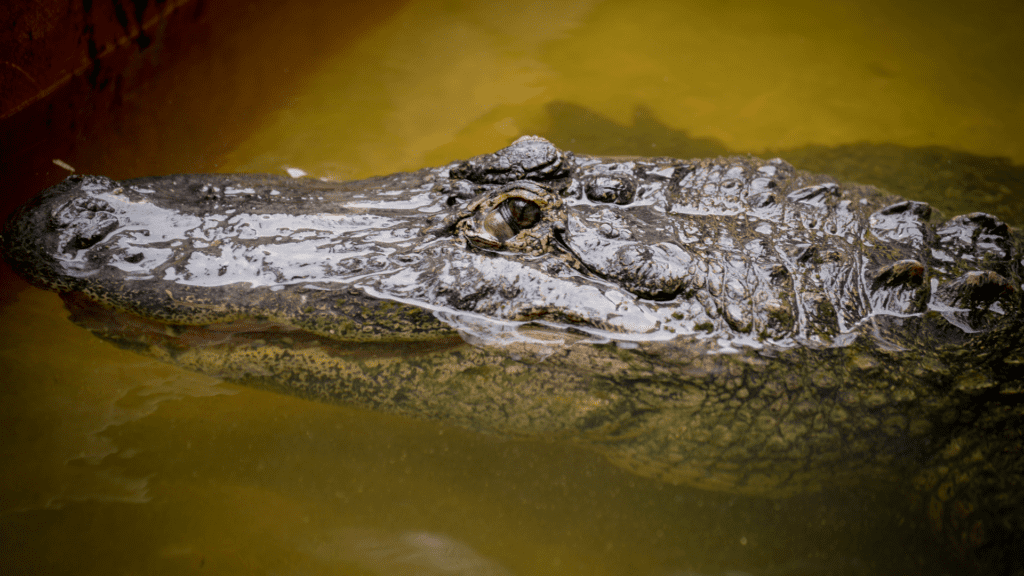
[{"x": 116, "y": 464}]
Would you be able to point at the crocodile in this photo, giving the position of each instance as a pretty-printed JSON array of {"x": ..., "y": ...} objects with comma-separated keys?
[{"x": 727, "y": 323}]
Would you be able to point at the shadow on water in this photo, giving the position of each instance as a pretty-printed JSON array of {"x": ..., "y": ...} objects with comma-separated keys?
[{"x": 952, "y": 181}]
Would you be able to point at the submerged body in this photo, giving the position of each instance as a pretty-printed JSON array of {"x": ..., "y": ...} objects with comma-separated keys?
[{"x": 728, "y": 323}]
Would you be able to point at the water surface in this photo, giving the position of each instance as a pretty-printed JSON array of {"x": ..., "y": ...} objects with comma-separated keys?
[{"x": 117, "y": 464}]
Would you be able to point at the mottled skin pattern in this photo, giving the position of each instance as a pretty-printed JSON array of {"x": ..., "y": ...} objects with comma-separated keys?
[{"x": 728, "y": 323}]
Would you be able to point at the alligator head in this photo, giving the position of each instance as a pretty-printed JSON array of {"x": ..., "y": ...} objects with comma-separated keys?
[
  {"x": 731, "y": 323},
  {"x": 737, "y": 250}
]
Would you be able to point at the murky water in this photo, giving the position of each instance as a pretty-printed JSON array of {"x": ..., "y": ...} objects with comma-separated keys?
[{"x": 116, "y": 464}]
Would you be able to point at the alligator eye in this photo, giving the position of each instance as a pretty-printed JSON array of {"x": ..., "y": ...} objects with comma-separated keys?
[
  {"x": 521, "y": 212},
  {"x": 510, "y": 217}
]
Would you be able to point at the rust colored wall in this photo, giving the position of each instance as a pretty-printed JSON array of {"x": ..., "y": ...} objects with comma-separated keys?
[
  {"x": 129, "y": 88},
  {"x": 52, "y": 41}
]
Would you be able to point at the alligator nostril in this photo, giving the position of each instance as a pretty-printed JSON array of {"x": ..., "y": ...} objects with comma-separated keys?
[
  {"x": 77, "y": 209},
  {"x": 85, "y": 221},
  {"x": 86, "y": 233}
]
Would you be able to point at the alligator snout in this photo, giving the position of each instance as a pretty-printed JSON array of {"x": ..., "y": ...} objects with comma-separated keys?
[{"x": 82, "y": 222}]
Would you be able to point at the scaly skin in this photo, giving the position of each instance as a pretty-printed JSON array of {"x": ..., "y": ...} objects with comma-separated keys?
[{"x": 728, "y": 323}]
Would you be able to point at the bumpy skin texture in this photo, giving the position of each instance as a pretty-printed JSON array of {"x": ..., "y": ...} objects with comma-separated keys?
[{"x": 729, "y": 323}]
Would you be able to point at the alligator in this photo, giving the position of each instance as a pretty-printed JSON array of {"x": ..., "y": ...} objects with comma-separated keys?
[{"x": 730, "y": 323}]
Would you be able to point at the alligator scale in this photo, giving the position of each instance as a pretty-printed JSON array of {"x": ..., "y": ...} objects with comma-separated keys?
[{"x": 728, "y": 323}]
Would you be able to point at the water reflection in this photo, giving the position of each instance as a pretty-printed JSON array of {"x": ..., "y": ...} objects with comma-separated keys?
[
  {"x": 251, "y": 480},
  {"x": 69, "y": 413}
]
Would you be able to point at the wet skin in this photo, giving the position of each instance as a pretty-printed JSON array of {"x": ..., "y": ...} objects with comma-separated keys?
[{"x": 728, "y": 323}]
